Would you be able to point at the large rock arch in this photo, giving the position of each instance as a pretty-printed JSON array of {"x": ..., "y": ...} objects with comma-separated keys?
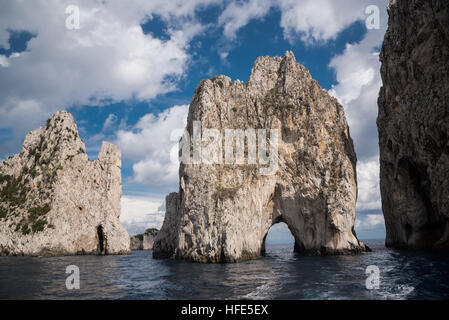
[{"x": 224, "y": 210}]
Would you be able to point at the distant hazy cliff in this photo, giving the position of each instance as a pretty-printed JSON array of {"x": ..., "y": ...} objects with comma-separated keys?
[
  {"x": 145, "y": 240},
  {"x": 55, "y": 201}
]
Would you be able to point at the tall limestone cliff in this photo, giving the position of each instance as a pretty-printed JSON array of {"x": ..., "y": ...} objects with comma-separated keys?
[
  {"x": 55, "y": 201},
  {"x": 413, "y": 125},
  {"x": 224, "y": 209}
]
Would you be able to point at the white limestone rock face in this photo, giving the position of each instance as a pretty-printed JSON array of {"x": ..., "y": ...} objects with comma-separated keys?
[
  {"x": 55, "y": 201},
  {"x": 222, "y": 212},
  {"x": 413, "y": 125}
]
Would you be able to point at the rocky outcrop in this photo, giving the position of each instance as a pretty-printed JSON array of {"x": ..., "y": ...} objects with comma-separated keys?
[
  {"x": 228, "y": 200},
  {"x": 413, "y": 125},
  {"x": 55, "y": 201},
  {"x": 144, "y": 241}
]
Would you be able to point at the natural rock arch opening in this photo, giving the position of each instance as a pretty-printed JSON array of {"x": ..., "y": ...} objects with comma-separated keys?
[
  {"x": 278, "y": 234},
  {"x": 101, "y": 240},
  {"x": 304, "y": 218}
]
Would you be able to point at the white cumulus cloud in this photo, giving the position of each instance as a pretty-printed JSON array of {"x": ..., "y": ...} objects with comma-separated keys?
[
  {"x": 238, "y": 14},
  {"x": 369, "y": 222},
  {"x": 357, "y": 71},
  {"x": 312, "y": 21},
  {"x": 368, "y": 185},
  {"x": 150, "y": 142},
  {"x": 140, "y": 213},
  {"x": 319, "y": 20},
  {"x": 108, "y": 59}
]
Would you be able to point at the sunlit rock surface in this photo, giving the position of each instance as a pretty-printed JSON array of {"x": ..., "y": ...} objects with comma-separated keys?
[
  {"x": 55, "y": 201},
  {"x": 222, "y": 212}
]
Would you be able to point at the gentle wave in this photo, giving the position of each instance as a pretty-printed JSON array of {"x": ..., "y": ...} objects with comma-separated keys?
[{"x": 281, "y": 274}]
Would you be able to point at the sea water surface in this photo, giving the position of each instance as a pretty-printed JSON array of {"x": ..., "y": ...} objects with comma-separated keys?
[{"x": 281, "y": 274}]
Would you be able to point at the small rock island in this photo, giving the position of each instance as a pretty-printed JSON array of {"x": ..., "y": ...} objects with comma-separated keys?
[
  {"x": 145, "y": 240},
  {"x": 223, "y": 212},
  {"x": 55, "y": 201}
]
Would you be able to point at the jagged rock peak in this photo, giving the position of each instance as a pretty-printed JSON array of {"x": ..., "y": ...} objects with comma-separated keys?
[
  {"x": 60, "y": 130},
  {"x": 413, "y": 125},
  {"x": 269, "y": 70},
  {"x": 223, "y": 210},
  {"x": 55, "y": 201}
]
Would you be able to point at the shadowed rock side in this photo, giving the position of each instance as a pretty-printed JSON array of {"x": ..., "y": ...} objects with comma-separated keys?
[
  {"x": 222, "y": 213},
  {"x": 413, "y": 125},
  {"x": 54, "y": 201},
  {"x": 145, "y": 240}
]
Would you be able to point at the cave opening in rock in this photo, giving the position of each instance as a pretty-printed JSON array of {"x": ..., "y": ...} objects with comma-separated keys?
[
  {"x": 278, "y": 236},
  {"x": 100, "y": 234},
  {"x": 416, "y": 181}
]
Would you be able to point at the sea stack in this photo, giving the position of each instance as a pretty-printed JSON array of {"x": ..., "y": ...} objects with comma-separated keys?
[
  {"x": 413, "y": 125},
  {"x": 145, "y": 240},
  {"x": 55, "y": 201},
  {"x": 303, "y": 172}
]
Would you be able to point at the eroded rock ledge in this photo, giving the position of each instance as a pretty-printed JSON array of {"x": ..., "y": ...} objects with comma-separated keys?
[
  {"x": 222, "y": 212},
  {"x": 413, "y": 125},
  {"x": 55, "y": 201}
]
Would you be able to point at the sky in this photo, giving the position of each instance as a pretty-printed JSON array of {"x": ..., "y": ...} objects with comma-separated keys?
[{"x": 127, "y": 70}]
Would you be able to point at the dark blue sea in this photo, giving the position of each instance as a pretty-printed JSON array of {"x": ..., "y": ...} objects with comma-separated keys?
[{"x": 281, "y": 274}]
